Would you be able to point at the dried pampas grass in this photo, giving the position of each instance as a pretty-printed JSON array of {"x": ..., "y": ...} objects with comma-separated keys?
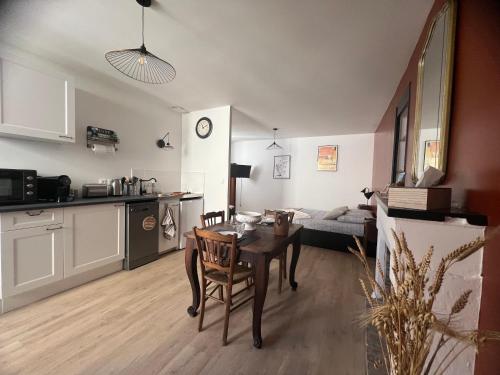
[{"x": 404, "y": 317}]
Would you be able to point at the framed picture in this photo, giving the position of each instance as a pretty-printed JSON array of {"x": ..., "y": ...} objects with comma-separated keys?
[
  {"x": 431, "y": 154},
  {"x": 281, "y": 167},
  {"x": 327, "y": 158}
]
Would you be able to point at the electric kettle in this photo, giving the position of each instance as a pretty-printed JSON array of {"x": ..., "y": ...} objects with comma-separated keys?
[{"x": 116, "y": 187}]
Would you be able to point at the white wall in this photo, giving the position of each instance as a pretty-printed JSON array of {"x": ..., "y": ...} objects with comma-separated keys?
[
  {"x": 139, "y": 119},
  {"x": 205, "y": 162},
  {"x": 307, "y": 187}
]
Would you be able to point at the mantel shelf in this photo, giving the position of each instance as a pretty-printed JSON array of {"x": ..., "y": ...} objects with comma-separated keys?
[{"x": 431, "y": 215}]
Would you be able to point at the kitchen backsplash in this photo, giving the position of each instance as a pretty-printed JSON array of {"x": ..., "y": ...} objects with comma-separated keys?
[{"x": 168, "y": 181}]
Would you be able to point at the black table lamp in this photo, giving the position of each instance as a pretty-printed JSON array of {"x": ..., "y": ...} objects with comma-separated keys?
[{"x": 367, "y": 193}]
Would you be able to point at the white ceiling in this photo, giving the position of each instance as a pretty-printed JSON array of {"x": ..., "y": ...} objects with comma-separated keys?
[{"x": 315, "y": 67}]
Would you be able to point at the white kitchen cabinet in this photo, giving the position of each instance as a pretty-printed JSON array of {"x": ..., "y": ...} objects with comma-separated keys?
[
  {"x": 94, "y": 236},
  {"x": 30, "y": 219},
  {"x": 31, "y": 258},
  {"x": 36, "y": 104}
]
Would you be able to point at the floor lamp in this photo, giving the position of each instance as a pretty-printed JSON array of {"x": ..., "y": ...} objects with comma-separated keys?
[{"x": 237, "y": 171}]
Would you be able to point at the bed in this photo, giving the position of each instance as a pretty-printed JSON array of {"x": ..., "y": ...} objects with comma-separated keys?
[{"x": 338, "y": 234}]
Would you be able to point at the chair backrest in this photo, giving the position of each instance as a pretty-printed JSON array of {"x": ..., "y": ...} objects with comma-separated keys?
[
  {"x": 216, "y": 250},
  {"x": 273, "y": 212},
  {"x": 210, "y": 218}
]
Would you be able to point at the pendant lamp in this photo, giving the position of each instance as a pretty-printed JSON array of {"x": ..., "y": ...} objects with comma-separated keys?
[
  {"x": 274, "y": 145},
  {"x": 139, "y": 63}
]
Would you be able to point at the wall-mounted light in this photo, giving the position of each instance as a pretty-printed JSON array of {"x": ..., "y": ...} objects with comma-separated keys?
[{"x": 165, "y": 145}]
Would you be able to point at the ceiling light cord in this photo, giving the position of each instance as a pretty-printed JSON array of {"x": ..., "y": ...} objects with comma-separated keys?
[{"x": 143, "y": 26}]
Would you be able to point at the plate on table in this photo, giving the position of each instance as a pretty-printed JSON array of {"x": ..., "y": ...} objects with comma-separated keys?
[
  {"x": 229, "y": 233},
  {"x": 267, "y": 220}
]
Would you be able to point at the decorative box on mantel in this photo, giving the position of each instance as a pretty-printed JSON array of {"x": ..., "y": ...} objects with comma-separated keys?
[
  {"x": 445, "y": 235},
  {"x": 420, "y": 198}
]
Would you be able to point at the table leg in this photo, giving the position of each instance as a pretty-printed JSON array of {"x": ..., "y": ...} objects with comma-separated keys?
[
  {"x": 293, "y": 263},
  {"x": 190, "y": 258},
  {"x": 261, "y": 280}
]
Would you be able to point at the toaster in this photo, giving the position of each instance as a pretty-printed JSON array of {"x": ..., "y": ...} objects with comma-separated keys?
[{"x": 94, "y": 190}]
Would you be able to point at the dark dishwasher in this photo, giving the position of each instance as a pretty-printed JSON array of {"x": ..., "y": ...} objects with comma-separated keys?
[{"x": 141, "y": 245}]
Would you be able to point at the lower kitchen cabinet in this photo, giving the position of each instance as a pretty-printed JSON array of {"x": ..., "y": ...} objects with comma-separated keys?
[
  {"x": 94, "y": 236},
  {"x": 31, "y": 258}
]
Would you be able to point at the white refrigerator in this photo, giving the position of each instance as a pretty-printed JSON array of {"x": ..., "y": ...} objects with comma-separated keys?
[{"x": 191, "y": 207}]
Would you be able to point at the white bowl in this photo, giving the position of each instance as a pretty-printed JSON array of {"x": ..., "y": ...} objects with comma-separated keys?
[{"x": 249, "y": 218}]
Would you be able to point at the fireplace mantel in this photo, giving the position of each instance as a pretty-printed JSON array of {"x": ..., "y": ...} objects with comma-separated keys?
[
  {"x": 472, "y": 218},
  {"x": 445, "y": 235}
]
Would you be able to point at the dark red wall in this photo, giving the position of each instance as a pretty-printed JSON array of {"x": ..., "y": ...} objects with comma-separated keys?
[{"x": 474, "y": 149}]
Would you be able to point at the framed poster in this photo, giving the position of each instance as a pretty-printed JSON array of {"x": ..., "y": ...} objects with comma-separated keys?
[
  {"x": 431, "y": 154},
  {"x": 281, "y": 167},
  {"x": 327, "y": 158}
]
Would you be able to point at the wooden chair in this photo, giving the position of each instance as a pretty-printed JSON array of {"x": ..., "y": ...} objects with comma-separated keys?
[
  {"x": 210, "y": 218},
  {"x": 207, "y": 220},
  {"x": 219, "y": 265},
  {"x": 283, "y": 256}
]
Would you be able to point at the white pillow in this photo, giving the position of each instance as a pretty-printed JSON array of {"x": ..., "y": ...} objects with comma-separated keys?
[
  {"x": 335, "y": 213},
  {"x": 358, "y": 212},
  {"x": 351, "y": 219}
]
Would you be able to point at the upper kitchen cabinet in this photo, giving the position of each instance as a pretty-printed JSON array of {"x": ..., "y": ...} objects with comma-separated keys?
[{"x": 36, "y": 104}]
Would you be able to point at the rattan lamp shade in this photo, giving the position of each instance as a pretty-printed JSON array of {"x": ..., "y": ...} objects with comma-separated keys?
[{"x": 139, "y": 63}]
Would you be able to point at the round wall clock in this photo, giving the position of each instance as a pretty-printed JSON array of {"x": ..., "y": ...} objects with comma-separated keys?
[{"x": 204, "y": 127}]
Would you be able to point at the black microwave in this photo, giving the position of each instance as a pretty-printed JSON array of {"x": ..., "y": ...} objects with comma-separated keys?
[{"x": 17, "y": 186}]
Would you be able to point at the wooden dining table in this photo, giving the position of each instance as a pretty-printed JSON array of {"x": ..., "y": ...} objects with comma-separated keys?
[{"x": 258, "y": 248}]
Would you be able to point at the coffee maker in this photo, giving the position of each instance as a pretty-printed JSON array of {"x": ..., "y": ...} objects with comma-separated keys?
[{"x": 54, "y": 188}]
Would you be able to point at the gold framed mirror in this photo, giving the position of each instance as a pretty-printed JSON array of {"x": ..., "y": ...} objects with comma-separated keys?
[{"x": 433, "y": 97}]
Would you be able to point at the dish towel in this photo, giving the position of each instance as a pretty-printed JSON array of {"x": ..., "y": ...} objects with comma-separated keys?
[{"x": 168, "y": 224}]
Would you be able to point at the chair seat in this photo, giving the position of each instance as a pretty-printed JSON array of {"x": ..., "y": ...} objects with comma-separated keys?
[{"x": 241, "y": 273}]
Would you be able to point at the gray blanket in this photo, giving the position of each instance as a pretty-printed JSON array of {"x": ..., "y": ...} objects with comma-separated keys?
[{"x": 316, "y": 222}]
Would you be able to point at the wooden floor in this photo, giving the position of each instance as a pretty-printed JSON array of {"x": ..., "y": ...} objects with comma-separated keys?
[{"x": 135, "y": 322}]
